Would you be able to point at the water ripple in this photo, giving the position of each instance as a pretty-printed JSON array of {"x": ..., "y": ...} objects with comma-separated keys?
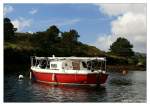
[{"x": 119, "y": 88}]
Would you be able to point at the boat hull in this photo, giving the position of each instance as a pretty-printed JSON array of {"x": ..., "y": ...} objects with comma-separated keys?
[{"x": 70, "y": 78}]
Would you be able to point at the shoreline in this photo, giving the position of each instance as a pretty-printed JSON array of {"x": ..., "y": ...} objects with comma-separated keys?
[
  {"x": 120, "y": 68},
  {"x": 116, "y": 68}
]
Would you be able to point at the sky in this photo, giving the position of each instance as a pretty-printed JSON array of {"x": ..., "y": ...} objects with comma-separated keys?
[{"x": 97, "y": 24}]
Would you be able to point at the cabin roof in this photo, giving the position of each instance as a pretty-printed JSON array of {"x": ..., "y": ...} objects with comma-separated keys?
[{"x": 71, "y": 58}]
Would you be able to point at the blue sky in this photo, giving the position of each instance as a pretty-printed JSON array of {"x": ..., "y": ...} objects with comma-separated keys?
[
  {"x": 85, "y": 18},
  {"x": 92, "y": 21}
]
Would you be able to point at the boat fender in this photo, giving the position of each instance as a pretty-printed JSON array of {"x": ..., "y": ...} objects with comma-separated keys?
[
  {"x": 103, "y": 72},
  {"x": 20, "y": 76},
  {"x": 100, "y": 71},
  {"x": 53, "y": 77}
]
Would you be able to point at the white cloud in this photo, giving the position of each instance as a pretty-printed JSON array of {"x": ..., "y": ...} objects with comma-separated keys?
[
  {"x": 33, "y": 11},
  {"x": 104, "y": 41},
  {"x": 59, "y": 22},
  {"x": 31, "y": 32},
  {"x": 130, "y": 24},
  {"x": 133, "y": 27},
  {"x": 8, "y": 9},
  {"x": 67, "y": 22},
  {"x": 119, "y": 9},
  {"x": 21, "y": 23}
]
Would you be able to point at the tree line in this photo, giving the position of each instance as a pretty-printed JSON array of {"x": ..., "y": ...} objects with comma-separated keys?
[{"x": 20, "y": 46}]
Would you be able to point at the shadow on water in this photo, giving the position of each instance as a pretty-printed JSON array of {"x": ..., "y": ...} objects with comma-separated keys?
[
  {"x": 119, "y": 79},
  {"x": 122, "y": 81}
]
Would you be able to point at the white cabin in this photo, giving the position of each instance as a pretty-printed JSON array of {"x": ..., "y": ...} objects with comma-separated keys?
[{"x": 69, "y": 63}]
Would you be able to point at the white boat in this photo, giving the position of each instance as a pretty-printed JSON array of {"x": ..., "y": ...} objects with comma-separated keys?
[{"x": 69, "y": 70}]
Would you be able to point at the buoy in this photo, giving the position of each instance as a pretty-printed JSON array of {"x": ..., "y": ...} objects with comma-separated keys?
[
  {"x": 20, "y": 76},
  {"x": 124, "y": 72}
]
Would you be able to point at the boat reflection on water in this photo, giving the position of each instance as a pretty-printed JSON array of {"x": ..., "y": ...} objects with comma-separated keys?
[{"x": 71, "y": 93}]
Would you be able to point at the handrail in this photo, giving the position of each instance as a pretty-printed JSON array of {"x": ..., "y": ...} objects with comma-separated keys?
[{"x": 71, "y": 58}]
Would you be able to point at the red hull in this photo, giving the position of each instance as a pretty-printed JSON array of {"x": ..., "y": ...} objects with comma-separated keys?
[{"x": 70, "y": 78}]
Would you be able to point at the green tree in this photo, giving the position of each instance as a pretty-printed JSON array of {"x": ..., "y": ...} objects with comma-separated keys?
[
  {"x": 70, "y": 40},
  {"x": 8, "y": 30},
  {"x": 74, "y": 35},
  {"x": 46, "y": 40},
  {"x": 122, "y": 47},
  {"x": 52, "y": 34},
  {"x": 71, "y": 36}
]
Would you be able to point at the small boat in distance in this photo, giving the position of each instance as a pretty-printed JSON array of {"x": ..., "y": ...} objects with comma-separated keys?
[{"x": 69, "y": 70}]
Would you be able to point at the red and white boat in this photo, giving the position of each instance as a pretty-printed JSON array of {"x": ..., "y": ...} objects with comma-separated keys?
[{"x": 69, "y": 70}]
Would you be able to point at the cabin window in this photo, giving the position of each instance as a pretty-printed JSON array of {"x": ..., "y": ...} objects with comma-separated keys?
[
  {"x": 43, "y": 64},
  {"x": 53, "y": 65},
  {"x": 76, "y": 65},
  {"x": 84, "y": 64},
  {"x": 48, "y": 66}
]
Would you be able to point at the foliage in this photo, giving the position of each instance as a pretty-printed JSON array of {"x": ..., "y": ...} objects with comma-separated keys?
[
  {"x": 8, "y": 30},
  {"x": 122, "y": 47},
  {"x": 141, "y": 59},
  {"x": 45, "y": 43},
  {"x": 53, "y": 41}
]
